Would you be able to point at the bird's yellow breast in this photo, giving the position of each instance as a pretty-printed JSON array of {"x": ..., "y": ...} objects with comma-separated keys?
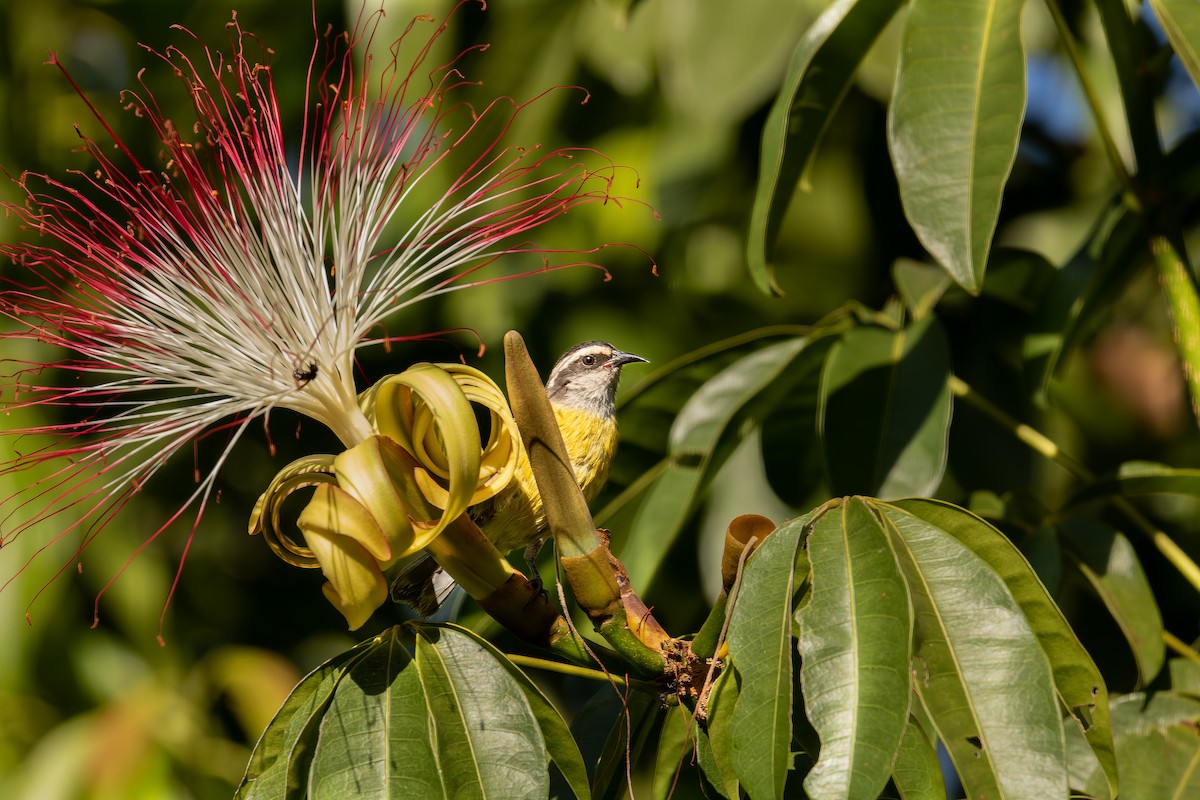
[{"x": 519, "y": 517}]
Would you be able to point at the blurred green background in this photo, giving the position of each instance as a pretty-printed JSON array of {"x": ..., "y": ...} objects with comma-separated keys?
[{"x": 679, "y": 90}]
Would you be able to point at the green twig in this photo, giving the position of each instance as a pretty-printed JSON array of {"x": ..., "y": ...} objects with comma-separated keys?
[{"x": 1044, "y": 446}]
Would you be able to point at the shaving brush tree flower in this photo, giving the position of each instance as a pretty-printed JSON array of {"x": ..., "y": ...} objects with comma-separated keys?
[{"x": 242, "y": 271}]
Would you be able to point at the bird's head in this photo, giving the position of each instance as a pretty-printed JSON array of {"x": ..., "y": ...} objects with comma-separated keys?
[{"x": 586, "y": 377}]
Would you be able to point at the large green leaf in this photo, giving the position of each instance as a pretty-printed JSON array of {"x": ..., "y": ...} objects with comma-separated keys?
[
  {"x": 447, "y": 722},
  {"x": 954, "y": 123},
  {"x": 885, "y": 409},
  {"x": 819, "y": 74},
  {"x": 560, "y": 744},
  {"x": 974, "y": 653},
  {"x": 917, "y": 773},
  {"x": 855, "y": 639},
  {"x": 279, "y": 765},
  {"x": 1158, "y": 749},
  {"x": 1077, "y": 680},
  {"x": 1110, "y": 564},
  {"x": 702, "y": 437},
  {"x": 760, "y": 644}
]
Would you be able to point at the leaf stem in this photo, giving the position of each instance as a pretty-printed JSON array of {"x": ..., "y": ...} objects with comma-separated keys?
[
  {"x": 1043, "y": 445},
  {"x": 1093, "y": 101},
  {"x": 1181, "y": 647},
  {"x": 566, "y": 669}
]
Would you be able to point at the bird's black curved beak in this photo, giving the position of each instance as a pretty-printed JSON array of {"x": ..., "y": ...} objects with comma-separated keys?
[{"x": 620, "y": 358}]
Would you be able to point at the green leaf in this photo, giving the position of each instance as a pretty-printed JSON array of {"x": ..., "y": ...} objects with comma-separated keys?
[
  {"x": 1137, "y": 718},
  {"x": 884, "y": 413},
  {"x": 1077, "y": 680},
  {"x": 1135, "y": 478},
  {"x": 760, "y": 644},
  {"x": 560, "y": 744},
  {"x": 627, "y": 739},
  {"x": 855, "y": 639},
  {"x": 1161, "y": 764},
  {"x": 1110, "y": 564},
  {"x": 700, "y": 440},
  {"x": 920, "y": 286},
  {"x": 447, "y": 722},
  {"x": 279, "y": 764},
  {"x": 917, "y": 773},
  {"x": 1181, "y": 23},
  {"x": 974, "y": 653},
  {"x": 820, "y": 72},
  {"x": 722, "y": 701},
  {"x": 677, "y": 742},
  {"x": 953, "y": 125}
]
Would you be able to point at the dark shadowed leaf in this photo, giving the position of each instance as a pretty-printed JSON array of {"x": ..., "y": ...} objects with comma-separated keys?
[
  {"x": 953, "y": 125},
  {"x": 627, "y": 739},
  {"x": 1109, "y": 562},
  {"x": 1135, "y": 478},
  {"x": 702, "y": 436},
  {"x": 855, "y": 639},
  {"x": 885, "y": 411},
  {"x": 974, "y": 652},
  {"x": 820, "y": 72},
  {"x": 920, "y": 285}
]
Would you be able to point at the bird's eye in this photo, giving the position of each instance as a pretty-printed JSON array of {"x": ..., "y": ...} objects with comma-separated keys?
[{"x": 589, "y": 361}]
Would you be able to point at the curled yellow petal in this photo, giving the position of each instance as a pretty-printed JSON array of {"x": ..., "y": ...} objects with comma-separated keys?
[
  {"x": 348, "y": 545},
  {"x": 333, "y": 511},
  {"x": 302, "y": 473},
  {"x": 427, "y": 410},
  {"x": 378, "y": 473}
]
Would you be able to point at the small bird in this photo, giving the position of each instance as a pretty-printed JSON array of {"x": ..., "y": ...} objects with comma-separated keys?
[{"x": 582, "y": 389}]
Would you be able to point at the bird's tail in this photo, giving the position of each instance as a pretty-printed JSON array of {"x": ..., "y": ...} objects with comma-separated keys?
[{"x": 423, "y": 585}]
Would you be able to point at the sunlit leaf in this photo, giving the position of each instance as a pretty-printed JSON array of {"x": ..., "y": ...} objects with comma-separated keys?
[
  {"x": 855, "y": 638},
  {"x": 954, "y": 123},
  {"x": 1180, "y": 20},
  {"x": 885, "y": 411},
  {"x": 279, "y": 764},
  {"x": 1077, "y": 680},
  {"x": 975, "y": 652},
  {"x": 821, "y": 70},
  {"x": 721, "y": 704},
  {"x": 1109, "y": 562},
  {"x": 917, "y": 774},
  {"x": 560, "y": 744},
  {"x": 760, "y": 643},
  {"x": 1158, "y": 749},
  {"x": 447, "y": 722}
]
